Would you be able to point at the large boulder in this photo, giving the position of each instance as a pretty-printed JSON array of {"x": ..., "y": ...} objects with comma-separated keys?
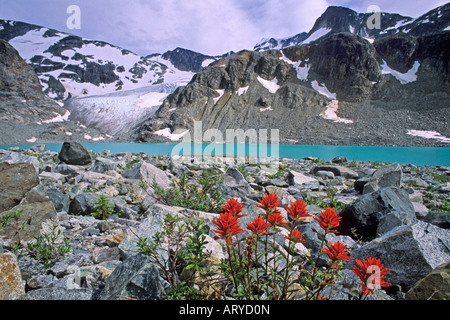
[
  {"x": 74, "y": 153},
  {"x": 387, "y": 176},
  {"x": 409, "y": 252},
  {"x": 135, "y": 278},
  {"x": 234, "y": 184},
  {"x": 148, "y": 173},
  {"x": 337, "y": 171},
  {"x": 35, "y": 208},
  {"x": 434, "y": 286},
  {"x": 15, "y": 181},
  {"x": 389, "y": 206}
]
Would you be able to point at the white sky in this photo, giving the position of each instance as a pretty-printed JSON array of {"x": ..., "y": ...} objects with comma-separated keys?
[{"x": 211, "y": 27}]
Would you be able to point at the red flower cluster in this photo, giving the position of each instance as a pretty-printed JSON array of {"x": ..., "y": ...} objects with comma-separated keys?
[
  {"x": 329, "y": 220},
  {"x": 269, "y": 202},
  {"x": 228, "y": 222},
  {"x": 235, "y": 207},
  {"x": 258, "y": 226},
  {"x": 295, "y": 236},
  {"x": 228, "y": 226},
  {"x": 277, "y": 219},
  {"x": 371, "y": 273},
  {"x": 297, "y": 210},
  {"x": 336, "y": 252}
]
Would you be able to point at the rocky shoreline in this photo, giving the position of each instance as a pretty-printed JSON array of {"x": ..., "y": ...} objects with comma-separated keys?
[{"x": 398, "y": 213}]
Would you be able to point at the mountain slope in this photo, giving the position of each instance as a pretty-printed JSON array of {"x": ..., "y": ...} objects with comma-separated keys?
[
  {"x": 68, "y": 65},
  {"x": 337, "y": 89},
  {"x": 26, "y": 113},
  {"x": 98, "y": 81}
]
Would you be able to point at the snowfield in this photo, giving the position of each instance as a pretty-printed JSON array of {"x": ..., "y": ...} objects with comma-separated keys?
[
  {"x": 428, "y": 135},
  {"x": 404, "y": 78},
  {"x": 271, "y": 85},
  {"x": 330, "y": 111},
  {"x": 118, "y": 112},
  {"x": 302, "y": 72}
]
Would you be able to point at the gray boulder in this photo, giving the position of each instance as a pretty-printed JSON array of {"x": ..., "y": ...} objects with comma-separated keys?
[
  {"x": 74, "y": 153},
  {"x": 387, "y": 176},
  {"x": 148, "y": 173},
  {"x": 35, "y": 209},
  {"x": 61, "y": 201},
  {"x": 101, "y": 165},
  {"x": 363, "y": 216},
  {"x": 135, "y": 278},
  {"x": 83, "y": 204},
  {"x": 409, "y": 252},
  {"x": 434, "y": 286},
  {"x": 337, "y": 171},
  {"x": 15, "y": 181},
  {"x": 234, "y": 184}
]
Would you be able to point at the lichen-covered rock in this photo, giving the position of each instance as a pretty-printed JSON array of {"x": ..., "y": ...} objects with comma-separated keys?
[
  {"x": 11, "y": 284},
  {"x": 434, "y": 286}
]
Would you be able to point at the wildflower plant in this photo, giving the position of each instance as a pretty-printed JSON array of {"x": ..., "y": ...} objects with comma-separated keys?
[
  {"x": 265, "y": 258},
  {"x": 267, "y": 268}
]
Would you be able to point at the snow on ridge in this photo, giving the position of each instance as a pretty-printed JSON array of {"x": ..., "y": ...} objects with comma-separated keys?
[
  {"x": 302, "y": 72},
  {"x": 151, "y": 99},
  {"x": 429, "y": 135},
  {"x": 322, "y": 89},
  {"x": 58, "y": 118},
  {"x": 404, "y": 78},
  {"x": 271, "y": 85},
  {"x": 316, "y": 35},
  {"x": 207, "y": 62},
  {"x": 167, "y": 133}
]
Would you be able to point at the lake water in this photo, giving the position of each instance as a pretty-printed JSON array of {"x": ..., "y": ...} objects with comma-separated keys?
[{"x": 404, "y": 155}]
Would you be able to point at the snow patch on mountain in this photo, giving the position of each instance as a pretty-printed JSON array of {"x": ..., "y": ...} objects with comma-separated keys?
[
  {"x": 221, "y": 93},
  {"x": 242, "y": 90},
  {"x": 330, "y": 113},
  {"x": 429, "y": 135},
  {"x": 322, "y": 89},
  {"x": 404, "y": 78},
  {"x": 271, "y": 85},
  {"x": 317, "y": 35},
  {"x": 302, "y": 72},
  {"x": 167, "y": 133}
]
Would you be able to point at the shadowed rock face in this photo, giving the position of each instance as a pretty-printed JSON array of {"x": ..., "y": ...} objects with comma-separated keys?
[{"x": 16, "y": 76}]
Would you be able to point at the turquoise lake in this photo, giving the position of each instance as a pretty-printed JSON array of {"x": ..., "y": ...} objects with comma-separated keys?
[{"x": 405, "y": 155}]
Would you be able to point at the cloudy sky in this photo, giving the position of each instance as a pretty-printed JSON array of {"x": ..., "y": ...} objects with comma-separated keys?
[{"x": 208, "y": 26}]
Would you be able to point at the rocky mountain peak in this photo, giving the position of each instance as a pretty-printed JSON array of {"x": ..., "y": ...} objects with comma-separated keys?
[{"x": 16, "y": 76}]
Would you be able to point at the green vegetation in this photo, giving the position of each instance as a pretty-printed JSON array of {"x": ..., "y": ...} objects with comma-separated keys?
[{"x": 202, "y": 195}]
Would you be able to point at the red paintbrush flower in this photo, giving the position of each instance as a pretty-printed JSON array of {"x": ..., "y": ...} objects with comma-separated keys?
[
  {"x": 336, "y": 251},
  {"x": 258, "y": 226},
  {"x": 371, "y": 273},
  {"x": 228, "y": 226},
  {"x": 234, "y": 207},
  {"x": 329, "y": 220},
  {"x": 269, "y": 202},
  {"x": 295, "y": 236},
  {"x": 297, "y": 210},
  {"x": 277, "y": 219}
]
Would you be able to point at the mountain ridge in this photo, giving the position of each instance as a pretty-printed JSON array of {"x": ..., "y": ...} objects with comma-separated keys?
[{"x": 335, "y": 71}]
